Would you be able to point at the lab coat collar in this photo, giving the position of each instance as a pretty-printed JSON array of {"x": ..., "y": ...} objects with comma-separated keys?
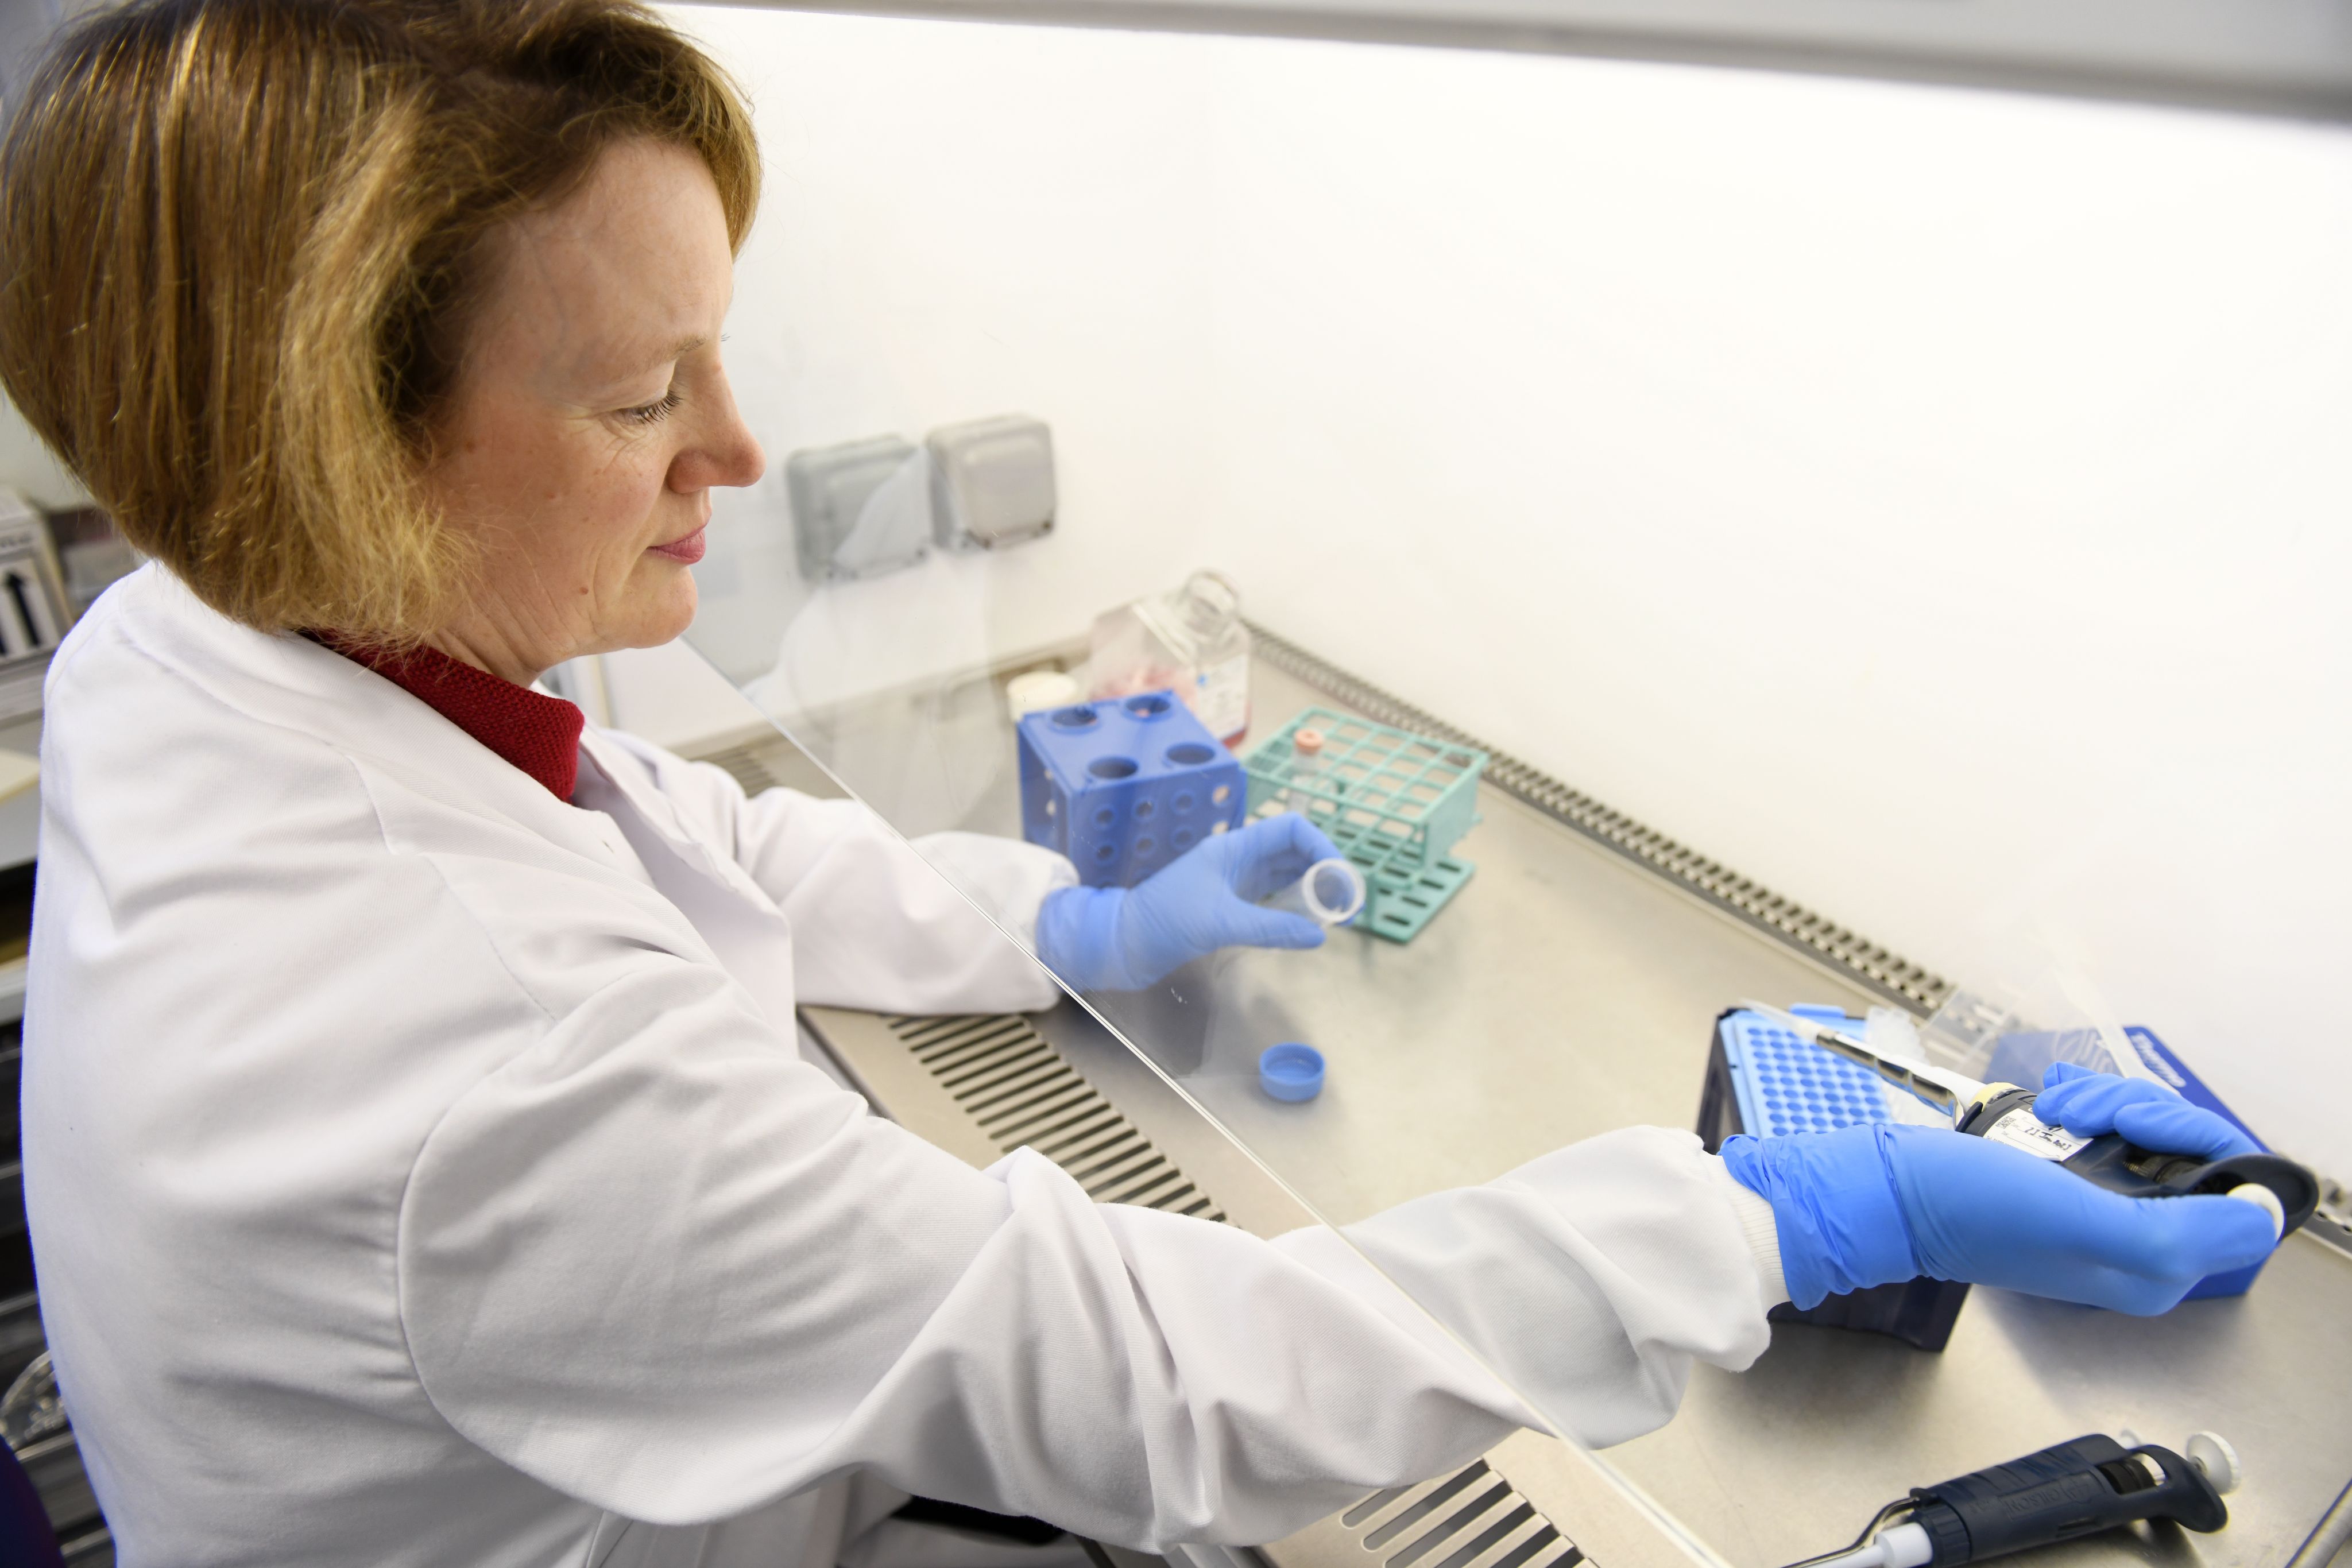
[
  {"x": 289, "y": 681},
  {"x": 536, "y": 732}
]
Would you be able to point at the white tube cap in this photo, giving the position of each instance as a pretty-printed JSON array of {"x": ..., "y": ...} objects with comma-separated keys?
[{"x": 1039, "y": 689}]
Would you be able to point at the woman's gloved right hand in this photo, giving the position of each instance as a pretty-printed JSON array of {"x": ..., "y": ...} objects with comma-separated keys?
[
  {"x": 1878, "y": 1204},
  {"x": 2147, "y": 1113}
]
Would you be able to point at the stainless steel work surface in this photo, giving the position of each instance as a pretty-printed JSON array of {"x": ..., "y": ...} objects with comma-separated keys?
[
  {"x": 1567, "y": 991},
  {"x": 1563, "y": 992},
  {"x": 1788, "y": 1458}
]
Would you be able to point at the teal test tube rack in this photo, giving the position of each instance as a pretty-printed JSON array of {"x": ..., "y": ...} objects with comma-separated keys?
[{"x": 1394, "y": 801}]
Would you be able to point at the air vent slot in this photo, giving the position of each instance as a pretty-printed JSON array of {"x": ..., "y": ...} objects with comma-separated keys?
[
  {"x": 1473, "y": 1518},
  {"x": 1021, "y": 1092}
]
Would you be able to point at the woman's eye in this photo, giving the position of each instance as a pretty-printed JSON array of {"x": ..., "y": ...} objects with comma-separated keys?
[{"x": 653, "y": 412}]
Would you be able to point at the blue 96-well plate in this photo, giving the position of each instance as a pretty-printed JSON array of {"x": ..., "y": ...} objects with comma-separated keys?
[{"x": 1789, "y": 1085}]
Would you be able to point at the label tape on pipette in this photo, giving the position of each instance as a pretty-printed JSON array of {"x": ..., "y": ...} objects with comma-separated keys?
[{"x": 2021, "y": 1129}]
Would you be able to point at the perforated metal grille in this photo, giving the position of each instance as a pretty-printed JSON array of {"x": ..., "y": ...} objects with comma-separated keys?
[
  {"x": 1022, "y": 1092},
  {"x": 1873, "y": 966},
  {"x": 1471, "y": 1518},
  {"x": 761, "y": 762},
  {"x": 748, "y": 767}
]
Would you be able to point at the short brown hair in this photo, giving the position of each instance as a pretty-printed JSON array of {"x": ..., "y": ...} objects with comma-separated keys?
[{"x": 239, "y": 244}]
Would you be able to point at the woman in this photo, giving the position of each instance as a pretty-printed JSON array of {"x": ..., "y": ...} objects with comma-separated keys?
[{"x": 417, "y": 1156}]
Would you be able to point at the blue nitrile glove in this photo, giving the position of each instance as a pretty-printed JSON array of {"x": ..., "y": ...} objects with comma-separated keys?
[
  {"x": 1877, "y": 1204},
  {"x": 1125, "y": 938},
  {"x": 2147, "y": 1113}
]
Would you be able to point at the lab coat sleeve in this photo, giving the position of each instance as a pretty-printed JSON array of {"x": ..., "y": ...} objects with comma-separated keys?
[
  {"x": 1638, "y": 1238},
  {"x": 662, "y": 1266},
  {"x": 877, "y": 923}
]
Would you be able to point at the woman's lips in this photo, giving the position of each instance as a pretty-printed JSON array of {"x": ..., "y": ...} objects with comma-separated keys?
[{"x": 687, "y": 550}]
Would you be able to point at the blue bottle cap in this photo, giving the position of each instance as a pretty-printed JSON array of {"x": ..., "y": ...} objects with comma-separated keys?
[{"x": 1291, "y": 1072}]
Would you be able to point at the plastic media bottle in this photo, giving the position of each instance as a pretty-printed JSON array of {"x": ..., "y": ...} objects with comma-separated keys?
[{"x": 1190, "y": 642}]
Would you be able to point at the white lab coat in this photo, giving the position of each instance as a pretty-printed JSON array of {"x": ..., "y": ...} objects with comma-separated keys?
[{"x": 421, "y": 1171}]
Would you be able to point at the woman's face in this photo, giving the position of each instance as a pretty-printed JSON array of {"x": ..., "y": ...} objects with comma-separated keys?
[{"x": 590, "y": 418}]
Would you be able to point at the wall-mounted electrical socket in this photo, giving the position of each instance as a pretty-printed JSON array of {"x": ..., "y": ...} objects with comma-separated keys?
[
  {"x": 860, "y": 508},
  {"x": 993, "y": 481}
]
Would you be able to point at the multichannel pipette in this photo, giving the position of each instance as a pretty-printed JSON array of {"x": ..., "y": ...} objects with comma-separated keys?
[{"x": 2003, "y": 1113}]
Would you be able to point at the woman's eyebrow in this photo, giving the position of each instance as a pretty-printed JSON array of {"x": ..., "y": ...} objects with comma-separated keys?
[
  {"x": 677, "y": 351},
  {"x": 606, "y": 381}
]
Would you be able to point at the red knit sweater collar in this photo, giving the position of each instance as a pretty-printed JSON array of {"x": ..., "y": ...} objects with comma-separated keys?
[{"x": 539, "y": 735}]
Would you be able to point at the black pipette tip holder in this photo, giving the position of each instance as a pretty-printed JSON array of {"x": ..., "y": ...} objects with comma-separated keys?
[{"x": 1920, "y": 1312}]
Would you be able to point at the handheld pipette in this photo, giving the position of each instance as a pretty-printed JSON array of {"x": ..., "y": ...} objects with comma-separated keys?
[
  {"x": 2063, "y": 1492},
  {"x": 2003, "y": 1113}
]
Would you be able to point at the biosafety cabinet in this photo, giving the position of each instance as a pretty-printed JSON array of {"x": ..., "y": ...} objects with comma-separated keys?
[
  {"x": 52, "y": 565},
  {"x": 1828, "y": 504}
]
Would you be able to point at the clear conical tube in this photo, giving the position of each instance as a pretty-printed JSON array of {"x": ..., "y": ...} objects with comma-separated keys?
[{"x": 1332, "y": 893}]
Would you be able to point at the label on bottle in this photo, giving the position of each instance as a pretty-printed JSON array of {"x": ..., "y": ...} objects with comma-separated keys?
[
  {"x": 2021, "y": 1129},
  {"x": 1220, "y": 697}
]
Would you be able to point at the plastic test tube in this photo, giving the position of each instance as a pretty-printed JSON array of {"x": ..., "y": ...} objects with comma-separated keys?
[
  {"x": 1332, "y": 892},
  {"x": 1305, "y": 765}
]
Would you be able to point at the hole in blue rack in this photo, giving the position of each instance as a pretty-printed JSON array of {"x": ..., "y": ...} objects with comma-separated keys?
[
  {"x": 1075, "y": 718},
  {"x": 1151, "y": 705},
  {"x": 1190, "y": 754},
  {"x": 1112, "y": 766}
]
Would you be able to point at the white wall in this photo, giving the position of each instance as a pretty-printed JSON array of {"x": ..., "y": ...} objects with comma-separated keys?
[
  {"x": 30, "y": 468},
  {"x": 1930, "y": 502},
  {"x": 25, "y": 466}
]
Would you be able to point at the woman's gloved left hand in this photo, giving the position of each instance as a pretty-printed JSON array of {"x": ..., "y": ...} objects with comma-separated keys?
[
  {"x": 1876, "y": 1204},
  {"x": 1125, "y": 938}
]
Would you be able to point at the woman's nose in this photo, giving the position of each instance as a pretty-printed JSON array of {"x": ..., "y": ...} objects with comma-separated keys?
[
  {"x": 739, "y": 461},
  {"x": 727, "y": 454}
]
